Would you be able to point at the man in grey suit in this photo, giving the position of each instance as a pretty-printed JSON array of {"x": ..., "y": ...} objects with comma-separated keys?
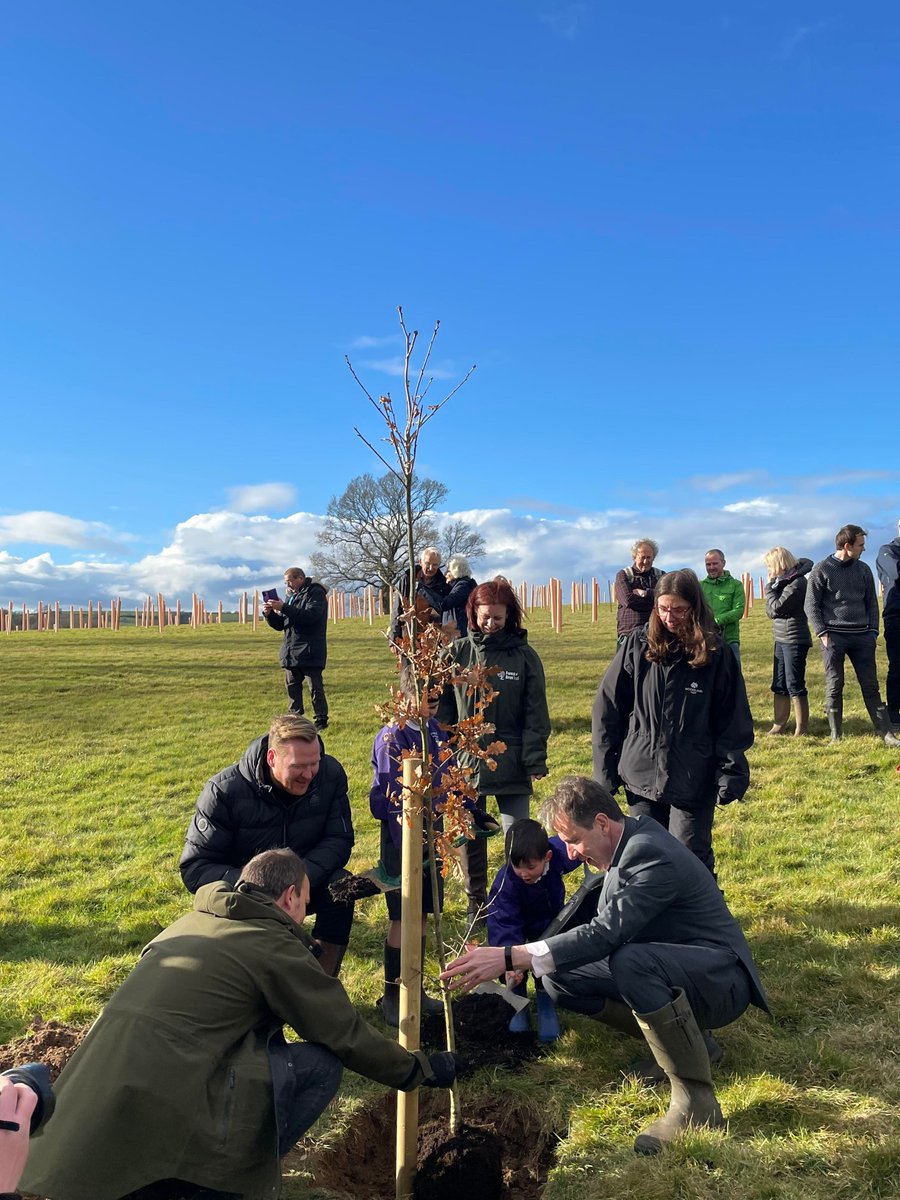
[{"x": 661, "y": 957}]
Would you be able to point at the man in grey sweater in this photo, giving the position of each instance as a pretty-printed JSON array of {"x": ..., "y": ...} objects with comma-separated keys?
[{"x": 843, "y": 610}]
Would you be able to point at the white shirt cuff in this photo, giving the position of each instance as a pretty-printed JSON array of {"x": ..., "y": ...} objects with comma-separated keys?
[{"x": 541, "y": 959}]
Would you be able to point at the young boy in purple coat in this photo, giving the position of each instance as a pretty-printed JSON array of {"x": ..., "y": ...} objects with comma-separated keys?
[
  {"x": 386, "y": 804},
  {"x": 527, "y": 893}
]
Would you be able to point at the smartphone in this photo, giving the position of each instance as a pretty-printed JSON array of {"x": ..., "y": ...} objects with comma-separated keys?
[{"x": 270, "y": 594}]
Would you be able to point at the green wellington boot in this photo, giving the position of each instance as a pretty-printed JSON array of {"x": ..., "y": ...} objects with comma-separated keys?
[{"x": 677, "y": 1044}]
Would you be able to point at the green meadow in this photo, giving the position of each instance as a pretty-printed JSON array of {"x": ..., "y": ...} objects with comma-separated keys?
[{"x": 108, "y": 737}]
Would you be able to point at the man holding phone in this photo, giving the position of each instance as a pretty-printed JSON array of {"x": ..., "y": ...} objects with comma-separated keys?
[{"x": 303, "y": 618}]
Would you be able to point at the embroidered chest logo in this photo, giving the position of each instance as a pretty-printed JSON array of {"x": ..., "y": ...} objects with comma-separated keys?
[
  {"x": 508, "y": 676},
  {"x": 694, "y": 690}
]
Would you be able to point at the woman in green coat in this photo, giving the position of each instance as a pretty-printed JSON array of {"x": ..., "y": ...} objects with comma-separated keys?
[{"x": 518, "y": 713}]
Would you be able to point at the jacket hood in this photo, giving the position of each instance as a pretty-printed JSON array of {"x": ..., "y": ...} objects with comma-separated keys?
[
  {"x": 310, "y": 584},
  {"x": 254, "y": 767},
  {"x": 803, "y": 567},
  {"x": 253, "y": 764},
  {"x": 242, "y": 902}
]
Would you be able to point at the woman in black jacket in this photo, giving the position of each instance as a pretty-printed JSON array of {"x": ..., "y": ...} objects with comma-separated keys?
[
  {"x": 671, "y": 720},
  {"x": 518, "y": 713},
  {"x": 785, "y": 599}
]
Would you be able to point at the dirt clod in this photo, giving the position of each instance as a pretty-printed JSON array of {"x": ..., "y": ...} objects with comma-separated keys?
[{"x": 50, "y": 1042}]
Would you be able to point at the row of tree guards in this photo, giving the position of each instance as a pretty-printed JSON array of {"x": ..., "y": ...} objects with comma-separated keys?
[{"x": 155, "y": 613}]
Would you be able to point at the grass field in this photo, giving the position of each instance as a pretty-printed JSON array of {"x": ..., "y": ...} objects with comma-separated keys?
[{"x": 107, "y": 739}]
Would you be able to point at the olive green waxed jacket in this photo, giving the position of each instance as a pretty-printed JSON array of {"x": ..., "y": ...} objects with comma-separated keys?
[
  {"x": 173, "y": 1079},
  {"x": 518, "y": 711}
]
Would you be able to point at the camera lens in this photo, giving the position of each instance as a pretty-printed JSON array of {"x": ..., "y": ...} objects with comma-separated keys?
[{"x": 37, "y": 1077}]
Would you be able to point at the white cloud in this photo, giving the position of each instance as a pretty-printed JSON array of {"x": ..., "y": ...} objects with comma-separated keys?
[
  {"x": 221, "y": 554},
  {"x": 761, "y": 506},
  {"x": 795, "y": 38},
  {"x": 54, "y": 529},
  {"x": 567, "y": 19},
  {"x": 722, "y": 483},
  {"x": 259, "y": 497},
  {"x": 395, "y": 367},
  {"x": 370, "y": 343}
]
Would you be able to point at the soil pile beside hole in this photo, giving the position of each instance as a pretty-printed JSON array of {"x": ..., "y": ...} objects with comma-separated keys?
[
  {"x": 467, "y": 1164},
  {"x": 360, "y": 1166},
  {"x": 482, "y": 1035},
  {"x": 48, "y": 1042}
]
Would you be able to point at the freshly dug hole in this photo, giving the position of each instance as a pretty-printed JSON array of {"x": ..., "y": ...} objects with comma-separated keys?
[
  {"x": 468, "y": 1163},
  {"x": 360, "y": 1165}
]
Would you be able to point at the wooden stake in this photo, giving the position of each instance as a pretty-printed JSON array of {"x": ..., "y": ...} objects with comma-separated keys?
[
  {"x": 256, "y": 610},
  {"x": 410, "y": 969}
]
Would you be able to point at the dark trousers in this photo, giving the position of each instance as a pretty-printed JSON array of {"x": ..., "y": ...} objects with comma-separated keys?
[
  {"x": 892, "y": 644},
  {"x": 333, "y": 917},
  {"x": 293, "y": 681},
  {"x": 305, "y": 1077},
  {"x": 789, "y": 669},
  {"x": 860, "y": 649},
  {"x": 647, "y": 976},
  {"x": 690, "y": 826}
]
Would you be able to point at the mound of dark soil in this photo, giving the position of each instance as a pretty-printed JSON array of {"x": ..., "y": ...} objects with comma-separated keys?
[
  {"x": 361, "y": 1165},
  {"x": 482, "y": 1035},
  {"x": 469, "y": 1163},
  {"x": 49, "y": 1042}
]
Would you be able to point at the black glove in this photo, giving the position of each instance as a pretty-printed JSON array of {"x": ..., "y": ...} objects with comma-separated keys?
[{"x": 444, "y": 1066}]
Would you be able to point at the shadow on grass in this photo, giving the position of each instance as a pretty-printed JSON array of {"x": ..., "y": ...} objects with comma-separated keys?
[{"x": 72, "y": 944}]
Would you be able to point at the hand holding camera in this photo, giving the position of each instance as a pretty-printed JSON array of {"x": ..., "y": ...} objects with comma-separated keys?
[{"x": 26, "y": 1103}]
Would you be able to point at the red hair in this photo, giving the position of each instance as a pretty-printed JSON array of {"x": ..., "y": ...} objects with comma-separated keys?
[{"x": 496, "y": 592}]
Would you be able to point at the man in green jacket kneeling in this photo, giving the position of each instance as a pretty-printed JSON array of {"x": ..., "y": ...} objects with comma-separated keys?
[{"x": 186, "y": 1076}]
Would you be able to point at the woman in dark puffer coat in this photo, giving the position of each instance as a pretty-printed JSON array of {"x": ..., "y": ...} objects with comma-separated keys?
[{"x": 785, "y": 597}]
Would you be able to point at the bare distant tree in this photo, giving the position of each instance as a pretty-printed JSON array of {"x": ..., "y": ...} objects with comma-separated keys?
[
  {"x": 460, "y": 538},
  {"x": 363, "y": 541}
]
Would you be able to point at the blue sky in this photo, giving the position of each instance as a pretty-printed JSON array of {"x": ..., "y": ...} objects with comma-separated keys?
[{"x": 667, "y": 235}]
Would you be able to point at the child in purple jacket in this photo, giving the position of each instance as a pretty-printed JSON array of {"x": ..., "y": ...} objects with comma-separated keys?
[
  {"x": 385, "y": 802},
  {"x": 527, "y": 893}
]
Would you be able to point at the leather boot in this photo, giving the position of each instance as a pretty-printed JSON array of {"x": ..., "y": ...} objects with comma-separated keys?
[
  {"x": 835, "y": 724},
  {"x": 801, "y": 715},
  {"x": 390, "y": 1001},
  {"x": 677, "y": 1045},
  {"x": 881, "y": 719},
  {"x": 782, "y": 706},
  {"x": 330, "y": 956}
]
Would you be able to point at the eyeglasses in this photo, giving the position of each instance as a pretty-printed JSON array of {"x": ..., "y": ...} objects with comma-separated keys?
[{"x": 677, "y": 610}]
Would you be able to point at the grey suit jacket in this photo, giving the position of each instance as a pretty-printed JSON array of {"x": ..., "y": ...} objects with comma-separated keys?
[{"x": 655, "y": 890}]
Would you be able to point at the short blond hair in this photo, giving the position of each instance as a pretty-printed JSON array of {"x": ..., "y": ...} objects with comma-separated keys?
[
  {"x": 779, "y": 560},
  {"x": 291, "y": 727}
]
